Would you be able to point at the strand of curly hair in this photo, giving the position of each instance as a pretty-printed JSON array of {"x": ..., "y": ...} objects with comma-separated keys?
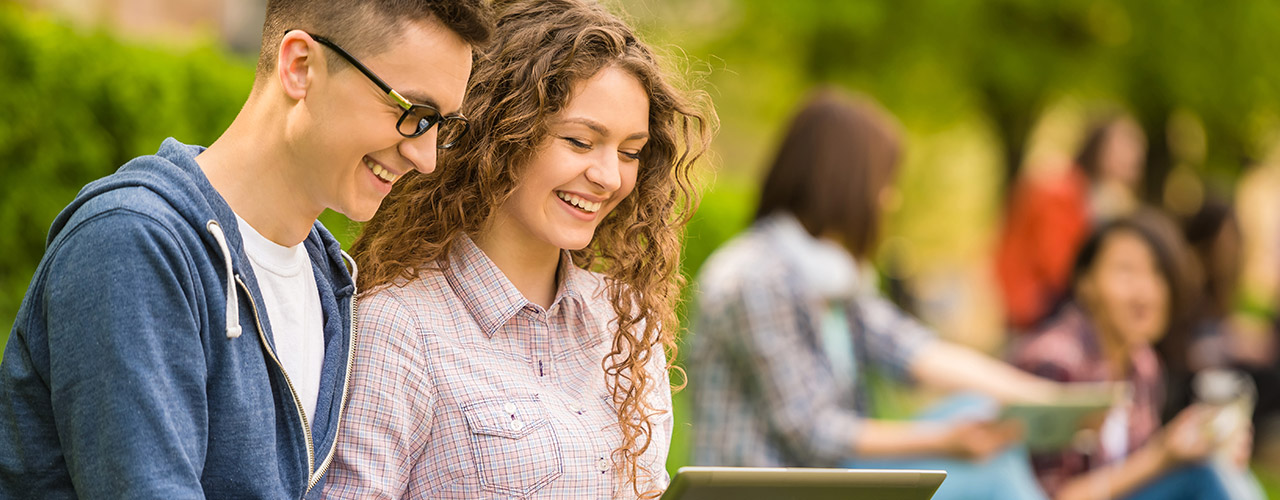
[{"x": 526, "y": 75}]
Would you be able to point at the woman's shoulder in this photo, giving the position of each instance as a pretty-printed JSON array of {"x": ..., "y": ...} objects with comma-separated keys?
[
  {"x": 421, "y": 300},
  {"x": 749, "y": 261},
  {"x": 1059, "y": 346}
]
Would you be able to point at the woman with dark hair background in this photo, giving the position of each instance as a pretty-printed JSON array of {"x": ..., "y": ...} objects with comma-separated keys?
[{"x": 1128, "y": 292}]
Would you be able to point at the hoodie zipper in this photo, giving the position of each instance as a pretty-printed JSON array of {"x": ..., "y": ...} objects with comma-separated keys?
[
  {"x": 297, "y": 402},
  {"x": 342, "y": 406}
]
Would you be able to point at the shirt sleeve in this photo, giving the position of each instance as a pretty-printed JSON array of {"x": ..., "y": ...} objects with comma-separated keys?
[
  {"x": 389, "y": 408},
  {"x": 798, "y": 390},
  {"x": 126, "y": 370},
  {"x": 892, "y": 337}
]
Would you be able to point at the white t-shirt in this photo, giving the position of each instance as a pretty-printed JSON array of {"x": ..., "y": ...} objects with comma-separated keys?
[{"x": 293, "y": 307}]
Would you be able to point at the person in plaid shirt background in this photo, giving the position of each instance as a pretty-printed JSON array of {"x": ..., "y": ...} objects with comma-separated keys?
[
  {"x": 521, "y": 300},
  {"x": 787, "y": 326}
]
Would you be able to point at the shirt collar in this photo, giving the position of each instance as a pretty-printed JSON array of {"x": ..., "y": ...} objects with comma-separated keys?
[
  {"x": 825, "y": 267},
  {"x": 492, "y": 299}
]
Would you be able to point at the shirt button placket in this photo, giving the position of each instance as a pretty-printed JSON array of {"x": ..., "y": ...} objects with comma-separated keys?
[{"x": 539, "y": 345}]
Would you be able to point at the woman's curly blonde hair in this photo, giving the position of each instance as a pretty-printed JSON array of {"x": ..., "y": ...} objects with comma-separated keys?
[{"x": 523, "y": 78}]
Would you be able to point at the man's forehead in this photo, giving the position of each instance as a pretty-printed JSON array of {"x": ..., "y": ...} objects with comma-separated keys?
[{"x": 427, "y": 66}]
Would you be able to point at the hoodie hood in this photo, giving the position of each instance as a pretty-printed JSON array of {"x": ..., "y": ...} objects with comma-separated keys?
[{"x": 178, "y": 179}]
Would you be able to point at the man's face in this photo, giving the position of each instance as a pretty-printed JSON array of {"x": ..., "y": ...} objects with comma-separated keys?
[{"x": 351, "y": 152}]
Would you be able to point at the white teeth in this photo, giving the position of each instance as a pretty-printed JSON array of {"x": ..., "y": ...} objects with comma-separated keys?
[
  {"x": 382, "y": 173},
  {"x": 590, "y": 207}
]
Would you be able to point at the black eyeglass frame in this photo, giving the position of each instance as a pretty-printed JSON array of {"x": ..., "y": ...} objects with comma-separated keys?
[{"x": 435, "y": 117}]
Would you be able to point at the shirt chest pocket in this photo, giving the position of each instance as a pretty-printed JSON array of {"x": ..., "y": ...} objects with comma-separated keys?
[{"x": 514, "y": 445}]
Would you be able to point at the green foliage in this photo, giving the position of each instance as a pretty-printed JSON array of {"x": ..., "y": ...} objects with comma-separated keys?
[
  {"x": 937, "y": 62},
  {"x": 723, "y": 213},
  {"x": 75, "y": 106}
]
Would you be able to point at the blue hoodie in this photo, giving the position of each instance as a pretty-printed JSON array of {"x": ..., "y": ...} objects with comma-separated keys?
[{"x": 142, "y": 364}]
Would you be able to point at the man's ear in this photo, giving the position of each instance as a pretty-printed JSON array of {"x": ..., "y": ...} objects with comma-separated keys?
[{"x": 297, "y": 62}]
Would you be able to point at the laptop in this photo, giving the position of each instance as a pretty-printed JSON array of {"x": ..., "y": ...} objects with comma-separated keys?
[{"x": 756, "y": 483}]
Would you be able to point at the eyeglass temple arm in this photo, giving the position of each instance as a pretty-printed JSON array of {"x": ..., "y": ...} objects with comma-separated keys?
[{"x": 404, "y": 103}]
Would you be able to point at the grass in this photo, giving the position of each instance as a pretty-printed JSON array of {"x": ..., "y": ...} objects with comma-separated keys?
[{"x": 1270, "y": 479}]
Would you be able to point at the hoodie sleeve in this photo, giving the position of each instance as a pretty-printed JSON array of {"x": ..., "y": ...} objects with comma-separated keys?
[{"x": 127, "y": 371}]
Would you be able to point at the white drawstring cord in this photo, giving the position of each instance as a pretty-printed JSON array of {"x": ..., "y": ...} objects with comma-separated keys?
[
  {"x": 233, "y": 307},
  {"x": 351, "y": 264}
]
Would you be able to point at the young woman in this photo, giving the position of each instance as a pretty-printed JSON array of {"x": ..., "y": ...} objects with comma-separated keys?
[
  {"x": 788, "y": 326},
  {"x": 514, "y": 338},
  {"x": 1048, "y": 217},
  {"x": 1127, "y": 282}
]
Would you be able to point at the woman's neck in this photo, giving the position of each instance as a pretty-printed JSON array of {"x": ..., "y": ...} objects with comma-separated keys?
[
  {"x": 529, "y": 263},
  {"x": 1114, "y": 350}
]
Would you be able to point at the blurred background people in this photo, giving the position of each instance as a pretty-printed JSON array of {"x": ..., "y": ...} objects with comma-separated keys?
[
  {"x": 1126, "y": 287},
  {"x": 789, "y": 325},
  {"x": 1049, "y": 216},
  {"x": 1221, "y": 337}
]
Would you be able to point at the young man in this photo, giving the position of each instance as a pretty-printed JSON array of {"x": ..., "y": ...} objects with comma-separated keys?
[{"x": 188, "y": 332}]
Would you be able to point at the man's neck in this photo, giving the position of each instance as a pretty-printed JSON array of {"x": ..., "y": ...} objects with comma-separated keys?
[
  {"x": 250, "y": 167},
  {"x": 530, "y": 265}
]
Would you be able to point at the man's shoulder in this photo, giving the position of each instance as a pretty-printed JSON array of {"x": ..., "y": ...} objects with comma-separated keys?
[{"x": 127, "y": 211}]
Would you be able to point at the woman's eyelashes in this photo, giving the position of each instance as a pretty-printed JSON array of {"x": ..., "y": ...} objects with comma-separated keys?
[
  {"x": 577, "y": 144},
  {"x": 584, "y": 146}
]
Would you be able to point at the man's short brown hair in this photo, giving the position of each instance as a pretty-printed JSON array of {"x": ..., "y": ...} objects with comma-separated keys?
[{"x": 364, "y": 26}]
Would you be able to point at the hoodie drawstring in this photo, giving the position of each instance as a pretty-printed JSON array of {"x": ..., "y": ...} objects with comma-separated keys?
[
  {"x": 351, "y": 264},
  {"x": 233, "y": 307}
]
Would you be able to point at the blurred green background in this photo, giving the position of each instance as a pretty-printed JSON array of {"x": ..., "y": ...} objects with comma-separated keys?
[{"x": 981, "y": 88}]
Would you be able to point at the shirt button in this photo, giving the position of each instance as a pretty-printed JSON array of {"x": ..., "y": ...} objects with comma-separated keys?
[
  {"x": 509, "y": 408},
  {"x": 517, "y": 425},
  {"x": 603, "y": 464},
  {"x": 574, "y": 407}
]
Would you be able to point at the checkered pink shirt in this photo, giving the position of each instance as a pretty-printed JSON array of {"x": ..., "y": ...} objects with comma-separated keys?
[{"x": 463, "y": 389}]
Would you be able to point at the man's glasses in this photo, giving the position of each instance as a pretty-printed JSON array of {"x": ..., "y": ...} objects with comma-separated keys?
[{"x": 417, "y": 118}]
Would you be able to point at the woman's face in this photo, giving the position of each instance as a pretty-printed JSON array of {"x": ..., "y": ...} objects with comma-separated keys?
[
  {"x": 1125, "y": 291},
  {"x": 585, "y": 166},
  {"x": 1123, "y": 153}
]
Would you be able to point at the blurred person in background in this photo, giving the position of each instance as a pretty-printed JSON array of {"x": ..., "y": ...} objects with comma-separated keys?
[
  {"x": 1221, "y": 337},
  {"x": 788, "y": 327},
  {"x": 1258, "y": 215},
  {"x": 1049, "y": 217},
  {"x": 1127, "y": 289}
]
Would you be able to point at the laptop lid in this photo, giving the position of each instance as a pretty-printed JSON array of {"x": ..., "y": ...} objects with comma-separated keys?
[{"x": 755, "y": 483}]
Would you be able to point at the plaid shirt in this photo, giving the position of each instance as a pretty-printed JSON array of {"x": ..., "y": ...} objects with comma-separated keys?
[
  {"x": 765, "y": 389},
  {"x": 463, "y": 389},
  {"x": 1067, "y": 350}
]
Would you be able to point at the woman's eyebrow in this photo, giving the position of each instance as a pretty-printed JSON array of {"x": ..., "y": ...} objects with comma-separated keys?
[{"x": 599, "y": 128}]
